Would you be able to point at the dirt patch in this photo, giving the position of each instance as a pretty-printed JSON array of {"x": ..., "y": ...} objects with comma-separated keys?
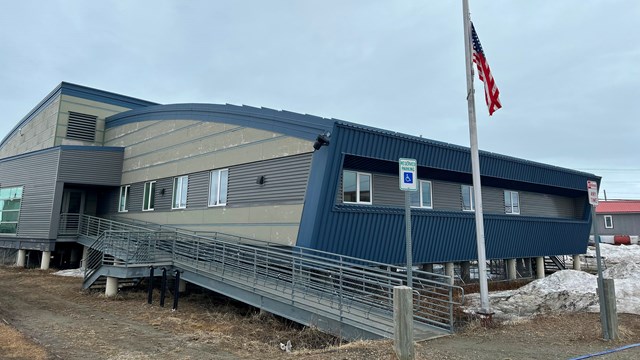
[{"x": 58, "y": 320}]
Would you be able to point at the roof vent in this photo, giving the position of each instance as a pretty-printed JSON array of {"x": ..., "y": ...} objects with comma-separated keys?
[{"x": 81, "y": 126}]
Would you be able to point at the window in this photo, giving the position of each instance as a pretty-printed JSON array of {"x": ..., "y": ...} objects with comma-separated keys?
[
  {"x": 10, "y": 201},
  {"x": 356, "y": 187},
  {"x": 149, "y": 199},
  {"x": 180, "y": 186},
  {"x": 608, "y": 222},
  {"x": 422, "y": 197},
  {"x": 468, "y": 202},
  {"x": 511, "y": 202},
  {"x": 218, "y": 187},
  {"x": 123, "y": 205}
]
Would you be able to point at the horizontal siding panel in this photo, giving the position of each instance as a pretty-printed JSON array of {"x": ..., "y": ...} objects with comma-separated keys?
[
  {"x": 447, "y": 196},
  {"x": 198, "y": 191},
  {"x": 38, "y": 194},
  {"x": 91, "y": 167},
  {"x": 285, "y": 181},
  {"x": 163, "y": 202},
  {"x": 533, "y": 204}
]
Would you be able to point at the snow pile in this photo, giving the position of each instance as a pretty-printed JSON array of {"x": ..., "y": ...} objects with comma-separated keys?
[
  {"x": 70, "y": 272},
  {"x": 615, "y": 254},
  {"x": 565, "y": 291}
]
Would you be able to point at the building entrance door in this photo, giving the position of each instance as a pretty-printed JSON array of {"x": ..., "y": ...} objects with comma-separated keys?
[{"x": 73, "y": 205}]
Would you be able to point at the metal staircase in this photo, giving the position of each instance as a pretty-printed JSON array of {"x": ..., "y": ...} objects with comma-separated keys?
[{"x": 348, "y": 297}]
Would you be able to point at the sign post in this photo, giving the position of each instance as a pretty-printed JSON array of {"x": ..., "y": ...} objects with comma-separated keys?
[
  {"x": 592, "y": 189},
  {"x": 408, "y": 172}
]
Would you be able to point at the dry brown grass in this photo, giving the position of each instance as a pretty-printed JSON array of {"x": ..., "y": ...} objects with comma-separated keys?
[{"x": 14, "y": 345}]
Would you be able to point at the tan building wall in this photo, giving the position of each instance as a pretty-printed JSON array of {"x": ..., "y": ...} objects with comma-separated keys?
[
  {"x": 158, "y": 149},
  {"x": 166, "y": 148},
  {"x": 35, "y": 135},
  {"x": 277, "y": 224},
  {"x": 84, "y": 106}
]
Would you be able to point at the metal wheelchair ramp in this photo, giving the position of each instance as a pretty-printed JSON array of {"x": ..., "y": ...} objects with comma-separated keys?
[{"x": 347, "y": 297}]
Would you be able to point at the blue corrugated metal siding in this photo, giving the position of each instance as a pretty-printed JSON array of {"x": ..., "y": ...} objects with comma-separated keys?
[
  {"x": 377, "y": 232},
  {"x": 379, "y": 235},
  {"x": 361, "y": 141}
]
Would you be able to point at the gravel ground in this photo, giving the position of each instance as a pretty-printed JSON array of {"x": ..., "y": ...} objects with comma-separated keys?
[{"x": 49, "y": 317}]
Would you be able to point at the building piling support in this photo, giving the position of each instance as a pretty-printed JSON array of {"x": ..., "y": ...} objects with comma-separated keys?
[
  {"x": 21, "y": 259},
  {"x": 576, "y": 262},
  {"x": 112, "y": 287},
  {"x": 448, "y": 270},
  {"x": 511, "y": 269},
  {"x": 46, "y": 259},
  {"x": 540, "y": 267}
]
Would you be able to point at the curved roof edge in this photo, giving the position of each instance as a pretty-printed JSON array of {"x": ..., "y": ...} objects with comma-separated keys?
[
  {"x": 482, "y": 153},
  {"x": 83, "y": 92},
  {"x": 285, "y": 122}
]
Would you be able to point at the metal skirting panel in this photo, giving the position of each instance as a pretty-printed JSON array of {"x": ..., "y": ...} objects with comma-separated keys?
[{"x": 378, "y": 235}]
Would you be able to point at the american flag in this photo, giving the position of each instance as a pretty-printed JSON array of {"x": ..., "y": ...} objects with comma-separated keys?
[{"x": 491, "y": 92}]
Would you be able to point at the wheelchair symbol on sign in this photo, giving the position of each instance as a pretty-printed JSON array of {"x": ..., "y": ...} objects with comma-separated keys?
[{"x": 408, "y": 178}]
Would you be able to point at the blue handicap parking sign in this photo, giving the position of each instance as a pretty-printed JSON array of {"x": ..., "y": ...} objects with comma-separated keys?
[{"x": 408, "y": 178}]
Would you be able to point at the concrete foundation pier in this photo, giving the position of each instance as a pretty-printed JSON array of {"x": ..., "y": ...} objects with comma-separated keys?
[
  {"x": 465, "y": 271},
  {"x": 112, "y": 287},
  {"x": 540, "y": 267},
  {"x": 511, "y": 269},
  {"x": 576, "y": 262},
  {"x": 182, "y": 286},
  {"x": 46, "y": 259},
  {"x": 448, "y": 270},
  {"x": 427, "y": 267},
  {"x": 85, "y": 255},
  {"x": 21, "y": 258}
]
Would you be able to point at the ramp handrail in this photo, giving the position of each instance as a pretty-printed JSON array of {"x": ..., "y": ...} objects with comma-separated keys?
[{"x": 343, "y": 286}]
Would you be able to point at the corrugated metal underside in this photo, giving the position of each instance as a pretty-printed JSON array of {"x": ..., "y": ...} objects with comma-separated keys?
[{"x": 377, "y": 233}]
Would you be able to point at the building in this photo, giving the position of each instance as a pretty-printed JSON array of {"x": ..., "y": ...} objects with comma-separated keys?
[
  {"x": 271, "y": 176},
  {"x": 618, "y": 217}
]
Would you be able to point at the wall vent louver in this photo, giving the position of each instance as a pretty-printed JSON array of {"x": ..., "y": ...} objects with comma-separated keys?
[{"x": 81, "y": 126}]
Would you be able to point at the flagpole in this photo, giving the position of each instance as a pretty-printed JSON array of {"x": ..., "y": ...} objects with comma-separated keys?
[{"x": 485, "y": 307}]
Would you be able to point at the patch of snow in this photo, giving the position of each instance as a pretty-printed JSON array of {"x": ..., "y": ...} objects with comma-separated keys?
[
  {"x": 570, "y": 290},
  {"x": 70, "y": 272},
  {"x": 615, "y": 254}
]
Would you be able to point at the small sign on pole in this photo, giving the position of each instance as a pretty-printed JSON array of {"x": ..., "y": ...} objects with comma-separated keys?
[
  {"x": 408, "y": 172},
  {"x": 592, "y": 188}
]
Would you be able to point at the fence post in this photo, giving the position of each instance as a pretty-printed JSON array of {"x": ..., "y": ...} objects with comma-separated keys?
[
  {"x": 611, "y": 310},
  {"x": 403, "y": 322}
]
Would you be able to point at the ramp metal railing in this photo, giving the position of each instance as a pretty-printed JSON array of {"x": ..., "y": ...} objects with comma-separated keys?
[{"x": 355, "y": 290}]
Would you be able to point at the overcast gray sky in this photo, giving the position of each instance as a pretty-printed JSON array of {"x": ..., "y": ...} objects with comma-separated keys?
[{"x": 568, "y": 71}]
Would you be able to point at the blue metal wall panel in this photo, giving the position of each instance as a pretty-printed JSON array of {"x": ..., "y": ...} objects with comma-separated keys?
[{"x": 377, "y": 232}]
